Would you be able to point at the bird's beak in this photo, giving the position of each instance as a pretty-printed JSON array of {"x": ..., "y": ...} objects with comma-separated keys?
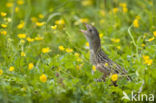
[{"x": 85, "y": 31}]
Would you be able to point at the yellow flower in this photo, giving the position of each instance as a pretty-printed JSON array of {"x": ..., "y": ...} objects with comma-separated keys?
[
  {"x": 83, "y": 20},
  {"x": 154, "y": 33},
  {"x": 125, "y": 9},
  {"x": 68, "y": 50},
  {"x": 61, "y": 48},
  {"x": 87, "y": 2},
  {"x": 30, "y": 39},
  {"x": 39, "y": 24},
  {"x": 147, "y": 60},
  {"x": 43, "y": 78},
  {"x": 38, "y": 38},
  {"x": 30, "y": 66},
  {"x": 118, "y": 47},
  {"x": 41, "y": 16},
  {"x": 54, "y": 27},
  {"x": 4, "y": 32},
  {"x": 1, "y": 72},
  {"x": 46, "y": 50},
  {"x": 9, "y": 4},
  {"x": 115, "y": 40},
  {"x": 59, "y": 22},
  {"x": 101, "y": 35},
  {"x": 21, "y": 36},
  {"x": 22, "y": 54},
  {"x": 135, "y": 23},
  {"x": 114, "y": 77},
  {"x": 106, "y": 64},
  {"x": 3, "y": 25},
  {"x": 151, "y": 39},
  {"x": 123, "y": 5},
  {"x": 143, "y": 45},
  {"x": 3, "y": 14},
  {"x": 115, "y": 10},
  {"x": 87, "y": 44},
  {"x": 77, "y": 54},
  {"x": 33, "y": 19},
  {"x": 11, "y": 69},
  {"x": 20, "y": 2},
  {"x": 17, "y": 9},
  {"x": 94, "y": 68},
  {"x": 21, "y": 25}
]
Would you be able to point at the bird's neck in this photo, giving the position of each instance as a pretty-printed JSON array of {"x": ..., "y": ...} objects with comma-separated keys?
[{"x": 95, "y": 46}]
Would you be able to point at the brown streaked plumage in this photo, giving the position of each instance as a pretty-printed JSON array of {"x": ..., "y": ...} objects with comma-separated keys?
[{"x": 98, "y": 57}]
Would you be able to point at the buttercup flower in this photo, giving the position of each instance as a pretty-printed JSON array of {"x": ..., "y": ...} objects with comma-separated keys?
[
  {"x": 41, "y": 16},
  {"x": 68, "y": 50},
  {"x": 147, "y": 60},
  {"x": 151, "y": 39},
  {"x": 59, "y": 22},
  {"x": 115, "y": 40},
  {"x": 21, "y": 25},
  {"x": 3, "y": 25},
  {"x": 54, "y": 27},
  {"x": 39, "y": 24},
  {"x": 3, "y": 32},
  {"x": 115, "y": 10},
  {"x": 154, "y": 33},
  {"x": 46, "y": 50},
  {"x": 30, "y": 39},
  {"x": 94, "y": 68},
  {"x": 11, "y": 69},
  {"x": 3, "y": 14},
  {"x": 22, "y": 54},
  {"x": 1, "y": 72},
  {"x": 114, "y": 77},
  {"x": 20, "y": 2},
  {"x": 43, "y": 78},
  {"x": 30, "y": 66},
  {"x": 135, "y": 23},
  {"x": 21, "y": 36},
  {"x": 61, "y": 48}
]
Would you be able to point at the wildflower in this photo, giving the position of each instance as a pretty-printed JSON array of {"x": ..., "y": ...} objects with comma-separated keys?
[
  {"x": 123, "y": 5},
  {"x": 21, "y": 36},
  {"x": 38, "y": 38},
  {"x": 124, "y": 9},
  {"x": 3, "y": 14},
  {"x": 54, "y": 27},
  {"x": 39, "y": 24},
  {"x": 135, "y": 23},
  {"x": 77, "y": 54},
  {"x": 154, "y": 33},
  {"x": 20, "y": 2},
  {"x": 43, "y": 78},
  {"x": 11, "y": 69},
  {"x": 115, "y": 40},
  {"x": 3, "y": 25},
  {"x": 151, "y": 39},
  {"x": 30, "y": 66},
  {"x": 41, "y": 16},
  {"x": 106, "y": 64},
  {"x": 87, "y": 44},
  {"x": 60, "y": 22},
  {"x": 114, "y": 77},
  {"x": 7, "y": 19},
  {"x": 46, "y": 50},
  {"x": 9, "y": 4},
  {"x": 22, "y": 54},
  {"x": 1, "y": 72},
  {"x": 4, "y": 32},
  {"x": 21, "y": 25},
  {"x": 118, "y": 47},
  {"x": 143, "y": 45},
  {"x": 17, "y": 9},
  {"x": 94, "y": 68},
  {"x": 83, "y": 20},
  {"x": 61, "y": 48},
  {"x": 30, "y": 39},
  {"x": 33, "y": 19},
  {"x": 115, "y": 10},
  {"x": 68, "y": 50},
  {"x": 147, "y": 60},
  {"x": 101, "y": 35},
  {"x": 87, "y": 2}
]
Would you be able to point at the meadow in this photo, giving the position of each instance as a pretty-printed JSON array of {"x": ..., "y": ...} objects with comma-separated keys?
[{"x": 44, "y": 58}]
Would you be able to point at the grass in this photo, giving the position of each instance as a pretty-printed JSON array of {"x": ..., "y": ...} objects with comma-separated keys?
[{"x": 49, "y": 57}]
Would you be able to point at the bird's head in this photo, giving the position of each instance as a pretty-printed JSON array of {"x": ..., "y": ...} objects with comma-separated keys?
[{"x": 91, "y": 35}]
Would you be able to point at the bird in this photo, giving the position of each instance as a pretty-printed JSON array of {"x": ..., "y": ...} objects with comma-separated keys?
[{"x": 99, "y": 58}]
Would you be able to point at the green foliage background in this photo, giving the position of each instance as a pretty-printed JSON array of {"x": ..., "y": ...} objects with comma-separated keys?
[{"x": 70, "y": 79}]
